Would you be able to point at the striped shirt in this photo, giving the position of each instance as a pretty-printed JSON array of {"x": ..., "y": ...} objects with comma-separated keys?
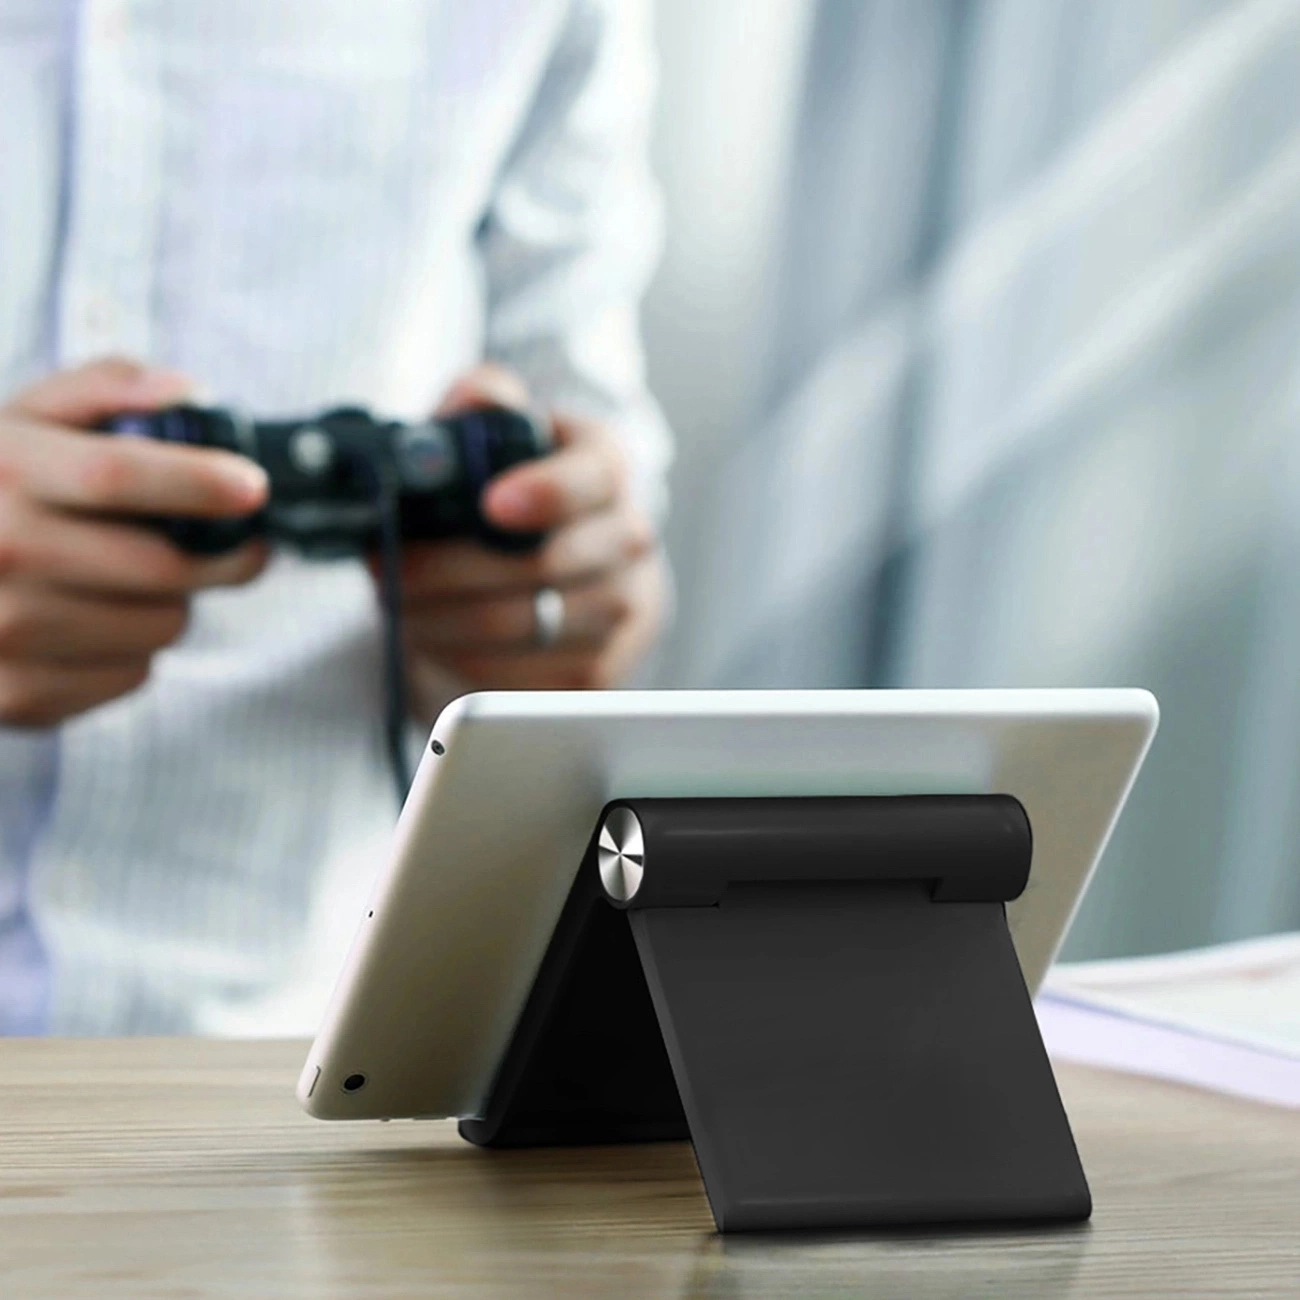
[{"x": 298, "y": 204}]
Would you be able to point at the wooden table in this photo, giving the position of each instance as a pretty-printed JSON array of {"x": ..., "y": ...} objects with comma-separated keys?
[{"x": 183, "y": 1168}]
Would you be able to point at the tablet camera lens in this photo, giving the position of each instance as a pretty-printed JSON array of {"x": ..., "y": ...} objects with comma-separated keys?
[{"x": 354, "y": 1083}]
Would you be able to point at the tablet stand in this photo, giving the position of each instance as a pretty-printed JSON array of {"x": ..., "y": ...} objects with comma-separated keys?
[{"x": 821, "y": 993}]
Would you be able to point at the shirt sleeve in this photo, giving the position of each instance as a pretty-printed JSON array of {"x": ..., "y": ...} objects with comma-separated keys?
[{"x": 573, "y": 232}]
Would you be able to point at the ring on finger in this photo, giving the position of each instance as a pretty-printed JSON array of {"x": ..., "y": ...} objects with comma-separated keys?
[{"x": 548, "y": 616}]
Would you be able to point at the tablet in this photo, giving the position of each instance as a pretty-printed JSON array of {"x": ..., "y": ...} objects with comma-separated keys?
[{"x": 510, "y": 787}]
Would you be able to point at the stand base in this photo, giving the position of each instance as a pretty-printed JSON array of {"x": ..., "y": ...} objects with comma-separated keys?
[{"x": 843, "y": 1054}]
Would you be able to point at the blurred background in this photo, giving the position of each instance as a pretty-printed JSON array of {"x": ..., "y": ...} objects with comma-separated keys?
[
  {"x": 978, "y": 329},
  {"x": 978, "y": 326}
]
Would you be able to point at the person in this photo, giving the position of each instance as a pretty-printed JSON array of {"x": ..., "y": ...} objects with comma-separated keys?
[{"x": 285, "y": 206}]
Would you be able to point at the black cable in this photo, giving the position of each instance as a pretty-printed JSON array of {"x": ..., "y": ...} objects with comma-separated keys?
[{"x": 390, "y": 597}]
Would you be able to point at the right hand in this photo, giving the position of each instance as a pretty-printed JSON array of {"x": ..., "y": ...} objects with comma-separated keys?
[{"x": 87, "y": 597}]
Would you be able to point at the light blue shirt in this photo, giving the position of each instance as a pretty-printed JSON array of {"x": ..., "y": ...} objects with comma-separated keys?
[{"x": 297, "y": 203}]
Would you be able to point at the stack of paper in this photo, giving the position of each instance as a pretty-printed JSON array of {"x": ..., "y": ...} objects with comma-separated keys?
[{"x": 1226, "y": 1018}]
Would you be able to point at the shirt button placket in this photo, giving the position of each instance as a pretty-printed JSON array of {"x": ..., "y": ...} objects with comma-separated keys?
[{"x": 115, "y": 188}]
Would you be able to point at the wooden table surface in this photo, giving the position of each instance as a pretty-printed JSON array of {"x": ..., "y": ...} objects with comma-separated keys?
[{"x": 183, "y": 1168}]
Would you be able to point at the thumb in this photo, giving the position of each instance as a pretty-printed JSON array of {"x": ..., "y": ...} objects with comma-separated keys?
[
  {"x": 92, "y": 392},
  {"x": 486, "y": 385}
]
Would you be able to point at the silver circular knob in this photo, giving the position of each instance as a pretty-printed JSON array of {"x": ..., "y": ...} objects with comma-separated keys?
[{"x": 620, "y": 854}]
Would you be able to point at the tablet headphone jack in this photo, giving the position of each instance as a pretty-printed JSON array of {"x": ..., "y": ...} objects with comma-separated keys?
[{"x": 354, "y": 1083}]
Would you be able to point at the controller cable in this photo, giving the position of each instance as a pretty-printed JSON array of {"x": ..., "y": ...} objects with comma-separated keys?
[{"x": 387, "y": 488}]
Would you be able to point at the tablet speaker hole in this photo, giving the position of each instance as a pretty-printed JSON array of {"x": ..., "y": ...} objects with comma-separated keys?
[{"x": 354, "y": 1083}]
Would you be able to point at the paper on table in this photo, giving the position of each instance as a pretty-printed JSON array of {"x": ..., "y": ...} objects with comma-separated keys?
[{"x": 1226, "y": 1017}]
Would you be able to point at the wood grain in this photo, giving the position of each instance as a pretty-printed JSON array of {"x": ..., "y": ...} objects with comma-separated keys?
[{"x": 183, "y": 1168}]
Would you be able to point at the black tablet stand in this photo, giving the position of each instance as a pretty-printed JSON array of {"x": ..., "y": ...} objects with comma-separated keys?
[{"x": 821, "y": 993}]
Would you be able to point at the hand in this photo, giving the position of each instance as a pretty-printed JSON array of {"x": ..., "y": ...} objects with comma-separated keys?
[
  {"x": 85, "y": 599},
  {"x": 471, "y": 612}
]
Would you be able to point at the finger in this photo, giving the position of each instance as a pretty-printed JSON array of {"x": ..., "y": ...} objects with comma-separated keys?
[
  {"x": 93, "y": 392},
  {"x": 40, "y": 695},
  {"x": 554, "y": 670},
  {"x": 100, "y": 473},
  {"x": 450, "y": 569},
  {"x": 590, "y": 546},
  {"x": 507, "y": 624},
  {"x": 542, "y": 494},
  {"x": 565, "y": 668},
  {"x": 44, "y": 624},
  {"x": 92, "y": 555},
  {"x": 595, "y": 544},
  {"x": 551, "y": 670},
  {"x": 488, "y": 384},
  {"x": 233, "y": 569}
]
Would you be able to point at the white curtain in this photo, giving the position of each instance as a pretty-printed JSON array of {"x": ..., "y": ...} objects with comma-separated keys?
[{"x": 1024, "y": 409}]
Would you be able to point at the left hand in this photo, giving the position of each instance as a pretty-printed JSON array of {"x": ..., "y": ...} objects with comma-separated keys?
[{"x": 471, "y": 612}]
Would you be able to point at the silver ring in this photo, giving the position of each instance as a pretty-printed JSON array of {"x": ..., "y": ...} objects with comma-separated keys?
[{"x": 548, "y": 616}]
